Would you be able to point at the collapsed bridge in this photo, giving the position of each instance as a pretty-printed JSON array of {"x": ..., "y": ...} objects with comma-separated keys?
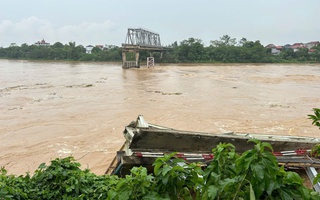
[
  {"x": 140, "y": 39},
  {"x": 146, "y": 142}
]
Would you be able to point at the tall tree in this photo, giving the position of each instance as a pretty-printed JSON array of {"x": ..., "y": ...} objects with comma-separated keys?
[
  {"x": 225, "y": 40},
  {"x": 191, "y": 50}
]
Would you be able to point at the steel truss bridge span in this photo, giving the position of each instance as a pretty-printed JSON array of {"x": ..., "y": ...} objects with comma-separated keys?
[{"x": 140, "y": 39}]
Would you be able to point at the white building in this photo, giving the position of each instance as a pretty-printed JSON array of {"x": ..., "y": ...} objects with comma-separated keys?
[
  {"x": 309, "y": 45},
  {"x": 89, "y": 49}
]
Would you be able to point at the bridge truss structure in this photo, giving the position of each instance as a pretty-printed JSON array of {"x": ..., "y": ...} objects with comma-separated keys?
[
  {"x": 144, "y": 38},
  {"x": 140, "y": 39}
]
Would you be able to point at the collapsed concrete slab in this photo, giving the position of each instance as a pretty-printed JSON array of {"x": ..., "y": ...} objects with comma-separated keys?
[{"x": 145, "y": 142}]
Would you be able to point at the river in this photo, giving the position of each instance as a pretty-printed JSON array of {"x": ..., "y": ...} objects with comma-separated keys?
[{"x": 58, "y": 109}]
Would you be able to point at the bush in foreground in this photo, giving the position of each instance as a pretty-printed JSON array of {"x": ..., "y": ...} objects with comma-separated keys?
[{"x": 255, "y": 174}]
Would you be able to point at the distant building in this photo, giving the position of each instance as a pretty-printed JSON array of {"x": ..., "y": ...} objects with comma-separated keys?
[
  {"x": 42, "y": 43},
  {"x": 309, "y": 45},
  {"x": 89, "y": 49},
  {"x": 274, "y": 49},
  {"x": 297, "y": 46},
  {"x": 100, "y": 46},
  {"x": 13, "y": 45},
  {"x": 287, "y": 46},
  {"x": 269, "y": 46},
  {"x": 311, "y": 51}
]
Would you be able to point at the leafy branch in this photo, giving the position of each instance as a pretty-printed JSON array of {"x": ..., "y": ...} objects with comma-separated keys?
[{"x": 316, "y": 117}]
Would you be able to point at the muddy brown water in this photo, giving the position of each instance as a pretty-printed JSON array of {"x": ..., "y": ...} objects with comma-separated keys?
[{"x": 58, "y": 109}]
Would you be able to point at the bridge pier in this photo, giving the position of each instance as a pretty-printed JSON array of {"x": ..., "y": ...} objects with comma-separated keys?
[
  {"x": 137, "y": 59},
  {"x": 124, "y": 57},
  {"x": 130, "y": 64}
]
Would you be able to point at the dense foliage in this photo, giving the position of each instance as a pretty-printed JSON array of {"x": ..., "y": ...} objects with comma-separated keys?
[
  {"x": 58, "y": 51},
  {"x": 224, "y": 50},
  {"x": 253, "y": 175}
]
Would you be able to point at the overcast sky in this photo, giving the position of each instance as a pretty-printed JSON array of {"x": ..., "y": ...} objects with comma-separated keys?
[{"x": 106, "y": 21}]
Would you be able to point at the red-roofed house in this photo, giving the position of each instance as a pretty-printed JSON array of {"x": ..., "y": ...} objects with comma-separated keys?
[
  {"x": 297, "y": 46},
  {"x": 276, "y": 49},
  {"x": 311, "y": 50},
  {"x": 42, "y": 43}
]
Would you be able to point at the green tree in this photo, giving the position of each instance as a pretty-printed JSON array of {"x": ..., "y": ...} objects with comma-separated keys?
[
  {"x": 191, "y": 50},
  {"x": 302, "y": 54},
  {"x": 225, "y": 40},
  {"x": 57, "y": 45},
  {"x": 96, "y": 50},
  {"x": 242, "y": 41},
  {"x": 288, "y": 54}
]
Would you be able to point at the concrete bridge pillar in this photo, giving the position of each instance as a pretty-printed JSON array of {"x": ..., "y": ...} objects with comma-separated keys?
[
  {"x": 124, "y": 57},
  {"x": 137, "y": 58}
]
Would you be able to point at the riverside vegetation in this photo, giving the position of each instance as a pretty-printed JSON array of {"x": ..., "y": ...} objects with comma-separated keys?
[
  {"x": 224, "y": 50},
  {"x": 254, "y": 174}
]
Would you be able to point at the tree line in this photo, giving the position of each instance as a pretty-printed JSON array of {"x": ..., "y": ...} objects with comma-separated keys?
[
  {"x": 59, "y": 51},
  {"x": 224, "y": 50}
]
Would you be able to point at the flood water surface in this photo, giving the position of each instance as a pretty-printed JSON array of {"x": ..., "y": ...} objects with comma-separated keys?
[{"x": 58, "y": 109}]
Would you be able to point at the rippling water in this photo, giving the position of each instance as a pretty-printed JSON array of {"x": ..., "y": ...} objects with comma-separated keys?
[{"x": 57, "y": 109}]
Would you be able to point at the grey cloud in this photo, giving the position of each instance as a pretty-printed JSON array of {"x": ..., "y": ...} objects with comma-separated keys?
[{"x": 32, "y": 29}]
